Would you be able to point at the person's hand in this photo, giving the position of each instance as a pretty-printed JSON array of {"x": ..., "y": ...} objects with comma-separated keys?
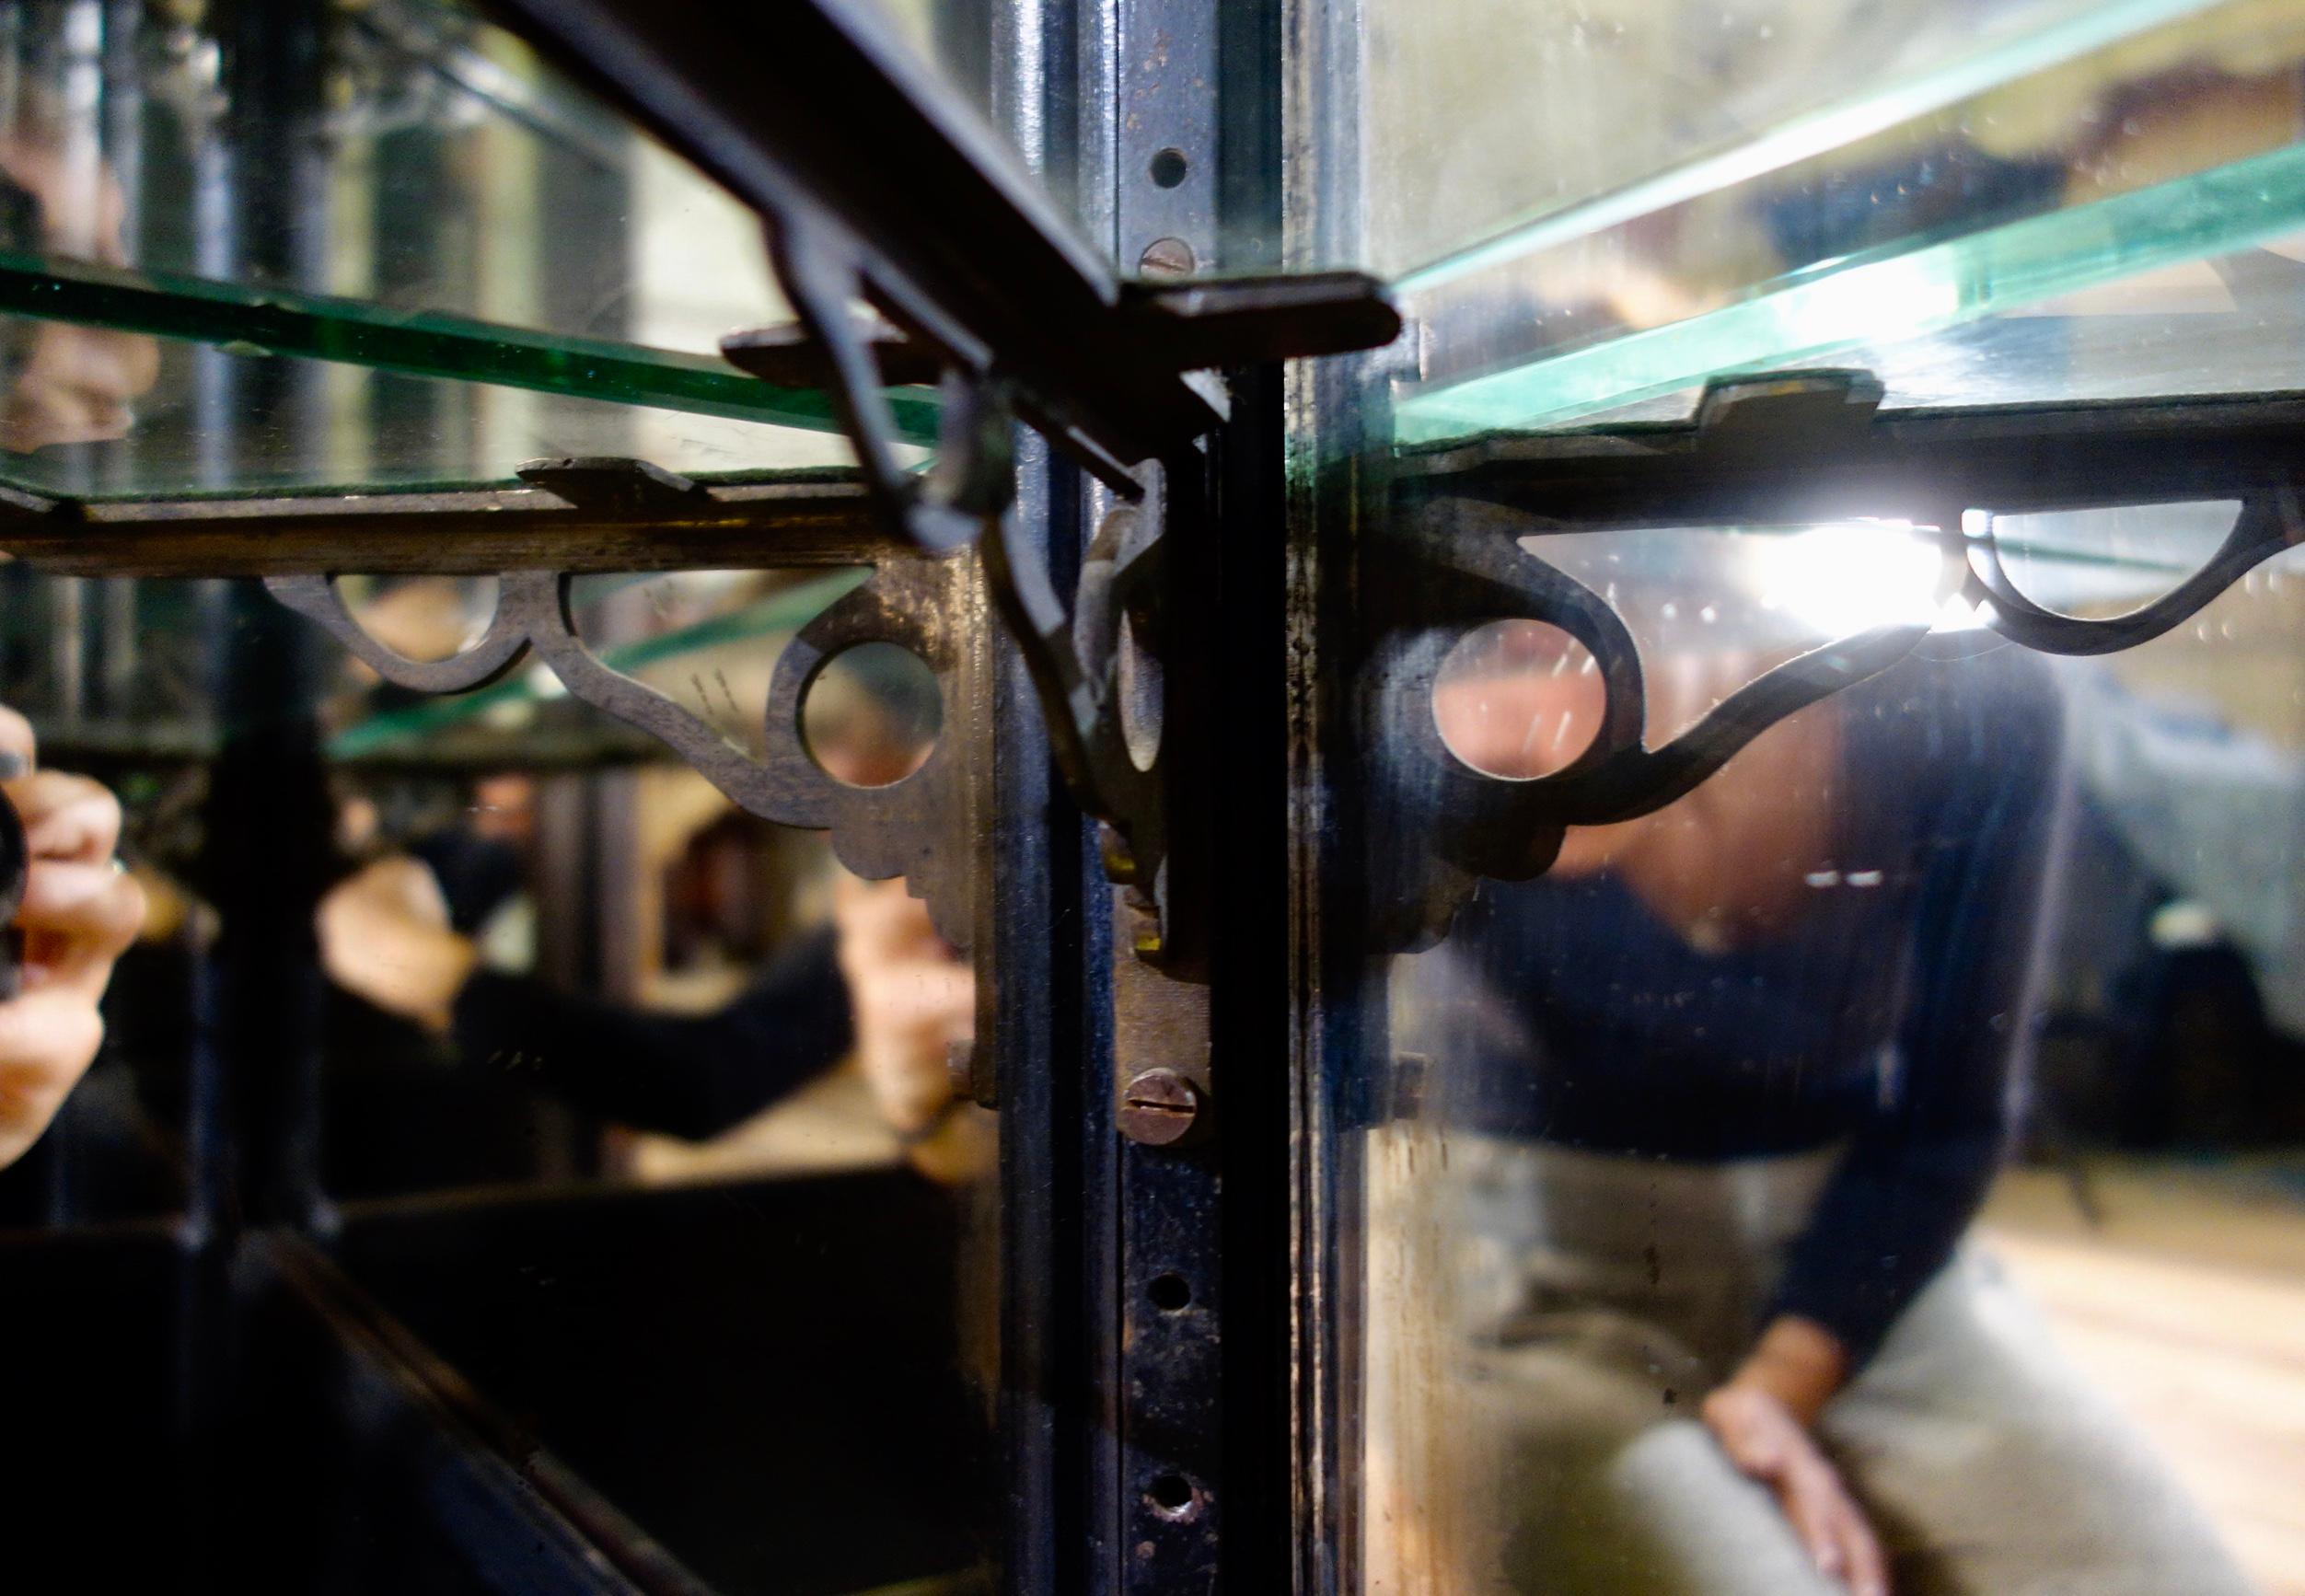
[
  {"x": 79, "y": 911},
  {"x": 1762, "y": 1419},
  {"x": 384, "y": 936},
  {"x": 912, "y": 997}
]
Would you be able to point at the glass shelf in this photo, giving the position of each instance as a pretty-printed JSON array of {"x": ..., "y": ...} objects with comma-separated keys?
[
  {"x": 1878, "y": 310},
  {"x": 1623, "y": 108},
  {"x": 234, "y": 265},
  {"x": 403, "y": 152},
  {"x": 2091, "y": 151},
  {"x": 96, "y": 413},
  {"x": 249, "y": 331}
]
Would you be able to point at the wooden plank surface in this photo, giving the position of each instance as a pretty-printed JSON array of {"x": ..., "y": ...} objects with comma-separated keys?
[{"x": 2188, "y": 1308}]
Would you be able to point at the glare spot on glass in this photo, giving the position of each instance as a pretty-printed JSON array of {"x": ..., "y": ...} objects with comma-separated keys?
[{"x": 1850, "y": 576}]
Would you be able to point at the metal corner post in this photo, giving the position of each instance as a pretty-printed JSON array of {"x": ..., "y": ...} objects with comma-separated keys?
[
  {"x": 1205, "y": 1285},
  {"x": 1044, "y": 961}
]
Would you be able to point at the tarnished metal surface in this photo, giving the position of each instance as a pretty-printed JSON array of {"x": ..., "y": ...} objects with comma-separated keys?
[
  {"x": 916, "y": 828},
  {"x": 1771, "y": 450},
  {"x": 1158, "y": 1108},
  {"x": 820, "y": 519}
]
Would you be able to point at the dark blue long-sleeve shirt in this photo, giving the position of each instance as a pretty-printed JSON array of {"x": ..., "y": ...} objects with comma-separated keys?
[
  {"x": 692, "y": 1076},
  {"x": 1886, "y": 1018}
]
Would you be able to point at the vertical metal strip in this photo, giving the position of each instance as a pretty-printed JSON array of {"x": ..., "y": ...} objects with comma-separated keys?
[
  {"x": 1338, "y": 996},
  {"x": 1174, "y": 1497},
  {"x": 1041, "y": 948}
]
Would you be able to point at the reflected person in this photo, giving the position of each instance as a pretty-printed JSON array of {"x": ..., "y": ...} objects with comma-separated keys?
[
  {"x": 1717, "y": 1099},
  {"x": 876, "y": 984}
]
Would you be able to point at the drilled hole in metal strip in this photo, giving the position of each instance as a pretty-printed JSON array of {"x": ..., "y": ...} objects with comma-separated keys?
[{"x": 1175, "y": 1498}]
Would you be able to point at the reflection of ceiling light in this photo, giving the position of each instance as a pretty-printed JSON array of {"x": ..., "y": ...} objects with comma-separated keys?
[{"x": 1845, "y": 577}]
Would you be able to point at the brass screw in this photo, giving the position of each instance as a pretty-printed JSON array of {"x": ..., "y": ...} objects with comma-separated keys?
[
  {"x": 1168, "y": 258},
  {"x": 1159, "y": 1107}
]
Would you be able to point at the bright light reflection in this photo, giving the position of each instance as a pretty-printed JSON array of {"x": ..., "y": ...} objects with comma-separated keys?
[{"x": 1844, "y": 577}]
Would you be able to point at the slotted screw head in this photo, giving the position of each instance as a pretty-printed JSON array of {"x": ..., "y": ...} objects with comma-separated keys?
[
  {"x": 1158, "y": 1107},
  {"x": 1168, "y": 258}
]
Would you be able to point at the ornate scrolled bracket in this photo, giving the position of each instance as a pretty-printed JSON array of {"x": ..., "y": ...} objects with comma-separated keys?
[
  {"x": 2270, "y": 521},
  {"x": 915, "y": 827},
  {"x": 1469, "y": 572},
  {"x": 1801, "y": 449},
  {"x": 1099, "y": 665}
]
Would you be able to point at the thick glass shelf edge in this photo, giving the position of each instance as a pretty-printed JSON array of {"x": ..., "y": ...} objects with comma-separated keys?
[
  {"x": 1879, "y": 298},
  {"x": 1804, "y": 137},
  {"x": 417, "y": 343},
  {"x": 261, "y": 497}
]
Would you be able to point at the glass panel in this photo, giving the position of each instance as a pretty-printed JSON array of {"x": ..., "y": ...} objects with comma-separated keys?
[
  {"x": 1609, "y": 107},
  {"x": 404, "y": 152},
  {"x": 394, "y": 186},
  {"x": 618, "y": 1108},
  {"x": 954, "y": 37},
  {"x": 1704, "y": 1163},
  {"x": 1866, "y": 1173},
  {"x": 2149, "y": 151}
]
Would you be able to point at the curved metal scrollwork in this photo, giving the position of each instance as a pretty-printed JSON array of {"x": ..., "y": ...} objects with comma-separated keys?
[
  {"x": 1804, "y": 447},
  {"x": 2269, "y": 523},
  {"x": 1471, "y": 570},
  {"x": 916, "y": 828}
]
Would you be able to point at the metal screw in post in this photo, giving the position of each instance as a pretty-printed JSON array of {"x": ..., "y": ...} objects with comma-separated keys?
[
  {"x": 1159, "y": 1109},
  {"x": 1168, "y": 258}
]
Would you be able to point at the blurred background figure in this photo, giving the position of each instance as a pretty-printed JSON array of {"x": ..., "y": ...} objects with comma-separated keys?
[{"x": 1722, "y": 1096}]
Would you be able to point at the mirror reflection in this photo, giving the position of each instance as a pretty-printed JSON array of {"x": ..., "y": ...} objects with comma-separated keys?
[{"x": 589, "y": 1078}]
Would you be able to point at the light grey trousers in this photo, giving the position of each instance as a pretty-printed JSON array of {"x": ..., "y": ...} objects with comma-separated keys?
[{"x": 1533, "y": 1397}]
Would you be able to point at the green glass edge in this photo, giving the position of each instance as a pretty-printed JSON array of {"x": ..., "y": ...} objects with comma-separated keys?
[
  {"x": 784, "y": 612},
  {"x": 1817, "y": 133},
  {"x": 1872, "y": 299},
  {"x": 418, "y": 343}
]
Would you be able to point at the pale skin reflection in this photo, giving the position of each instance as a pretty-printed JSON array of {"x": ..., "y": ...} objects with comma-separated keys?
[
  {"x": 79, "y": 912},
  {"x": 1725, "y": 864},
  {"x": 72, "y": 385}
]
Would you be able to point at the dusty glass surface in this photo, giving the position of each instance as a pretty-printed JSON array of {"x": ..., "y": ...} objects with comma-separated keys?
[
  {"x": 101, "y": 413},
  {"x": 2119, "y": 142},
  {"x": 1879, "y": 1169},
  {"x": 1887, "y": 1095},
  {"x": 397, "y": 187}
]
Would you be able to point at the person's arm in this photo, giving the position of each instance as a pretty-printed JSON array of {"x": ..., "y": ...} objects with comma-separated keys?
[
  {"x": 1909, "y": 1186},
  {"x": 879, "y": 981},
  {"x": 79, "y": 911},
  {"x": 689, "y": 1076}
]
